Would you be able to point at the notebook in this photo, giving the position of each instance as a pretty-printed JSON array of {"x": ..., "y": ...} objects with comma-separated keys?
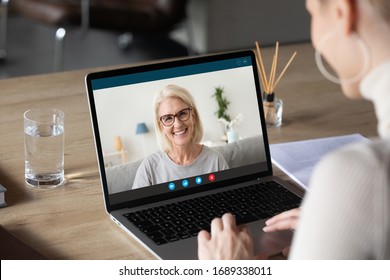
[{"x": 161, "y": 202}]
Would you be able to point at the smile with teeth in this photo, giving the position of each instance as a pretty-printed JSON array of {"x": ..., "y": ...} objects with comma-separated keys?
[{"x": 179, "y": 132}]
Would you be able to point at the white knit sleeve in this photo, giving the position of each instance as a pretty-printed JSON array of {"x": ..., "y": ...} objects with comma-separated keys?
[{"x": 338, "y": 219}]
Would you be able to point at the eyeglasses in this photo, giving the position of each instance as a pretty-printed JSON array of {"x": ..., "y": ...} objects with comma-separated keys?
[{"x": 183, "y": 115}]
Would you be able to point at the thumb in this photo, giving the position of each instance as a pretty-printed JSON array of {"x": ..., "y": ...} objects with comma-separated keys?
[{"x": 286, "y": 251}]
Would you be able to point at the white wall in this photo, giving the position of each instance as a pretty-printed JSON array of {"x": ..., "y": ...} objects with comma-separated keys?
[{"x": 120, "y": 109}]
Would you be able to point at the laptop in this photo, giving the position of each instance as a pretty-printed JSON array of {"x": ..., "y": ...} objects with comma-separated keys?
[{"x": 166, "y": 216}]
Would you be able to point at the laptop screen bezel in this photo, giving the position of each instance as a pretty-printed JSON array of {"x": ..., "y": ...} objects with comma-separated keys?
[{"x": 159, "y": 66}]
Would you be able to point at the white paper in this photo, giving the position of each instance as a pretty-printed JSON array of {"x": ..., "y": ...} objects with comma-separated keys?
[{"x": 297, "y": 159}]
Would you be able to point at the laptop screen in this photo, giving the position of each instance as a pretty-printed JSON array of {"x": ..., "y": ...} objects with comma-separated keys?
[{"x": 170, "y": 129}]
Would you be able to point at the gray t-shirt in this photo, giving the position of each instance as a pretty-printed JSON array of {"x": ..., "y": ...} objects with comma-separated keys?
[{"x": 158, "y": 168}]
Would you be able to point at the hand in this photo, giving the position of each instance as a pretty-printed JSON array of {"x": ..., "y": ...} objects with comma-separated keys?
[
  {"x": 286, "y": 220},
  {"x": 283, "y": 221},
  {"x": 227, "y": 241}
]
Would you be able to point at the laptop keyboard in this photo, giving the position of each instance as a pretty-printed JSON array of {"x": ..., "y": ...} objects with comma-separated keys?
[{"x": 184, "y": 219}]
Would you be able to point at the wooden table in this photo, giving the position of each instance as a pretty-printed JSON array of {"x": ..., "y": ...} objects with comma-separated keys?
[{"x": 70, "y": 222}]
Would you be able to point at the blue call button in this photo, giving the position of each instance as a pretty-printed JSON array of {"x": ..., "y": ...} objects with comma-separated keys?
[
  {"x": 198, "y": 180},
  {"x": 171, "y": 186},
  {"x": 185, "y": 183}
]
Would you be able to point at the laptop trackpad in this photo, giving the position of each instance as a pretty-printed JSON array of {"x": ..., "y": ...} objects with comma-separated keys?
[{"x": 269, "y": 243}]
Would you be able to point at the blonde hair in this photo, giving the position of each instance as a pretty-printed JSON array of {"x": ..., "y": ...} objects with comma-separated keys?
[{"x": 174, "y": 91}]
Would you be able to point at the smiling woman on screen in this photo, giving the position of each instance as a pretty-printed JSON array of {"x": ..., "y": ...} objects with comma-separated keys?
[{"x": 179, "y": 131}]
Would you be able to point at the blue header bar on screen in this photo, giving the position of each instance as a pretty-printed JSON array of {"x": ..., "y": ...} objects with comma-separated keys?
[{"x": 173, "y": 72}]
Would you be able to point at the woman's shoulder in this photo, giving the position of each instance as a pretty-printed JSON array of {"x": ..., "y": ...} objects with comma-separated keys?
[
  {"x": 153, "y": 158},
  {"x": 211, "y": 155},
  {"x": 207, "y": 151}
]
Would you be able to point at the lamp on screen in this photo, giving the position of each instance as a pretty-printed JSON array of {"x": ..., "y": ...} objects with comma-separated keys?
[{"x": 141, "y": 128}]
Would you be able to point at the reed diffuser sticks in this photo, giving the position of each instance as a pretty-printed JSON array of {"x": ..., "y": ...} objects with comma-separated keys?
[
  {"x": 273, "y": 107},
  {"x": 269, "y": 84}
]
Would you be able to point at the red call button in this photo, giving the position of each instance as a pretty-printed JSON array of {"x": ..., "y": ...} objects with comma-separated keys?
[{"x": 211, "y": 177}]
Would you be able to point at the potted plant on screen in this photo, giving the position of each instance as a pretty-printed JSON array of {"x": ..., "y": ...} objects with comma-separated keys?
[{"x": 230, "y": 134}]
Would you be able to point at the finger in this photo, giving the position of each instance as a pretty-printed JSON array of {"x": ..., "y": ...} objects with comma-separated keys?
[
  {"x": 284, "y": 215},
  {"x": 246, "y": 235},
  {"x": 281, "y": 225},
  {"x": 203, "y": 245},
  {"x": 229, "y": 221},
  {"x": 203, "y": 236},
  {"x": 216, "y": 226},
  {"x": 290, "y": 223},
  {"x": 286, "y": 251},
  {"x": 244, "y": 229}
]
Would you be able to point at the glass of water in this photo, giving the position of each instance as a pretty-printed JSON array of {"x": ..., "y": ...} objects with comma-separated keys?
[{"x": 44, "y": 147}]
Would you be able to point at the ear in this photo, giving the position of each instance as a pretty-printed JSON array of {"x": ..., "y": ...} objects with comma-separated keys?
[{"x": 347, "y": 15}]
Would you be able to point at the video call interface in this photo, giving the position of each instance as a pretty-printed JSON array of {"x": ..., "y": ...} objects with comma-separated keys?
[{"x": 122, "y": 102}]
